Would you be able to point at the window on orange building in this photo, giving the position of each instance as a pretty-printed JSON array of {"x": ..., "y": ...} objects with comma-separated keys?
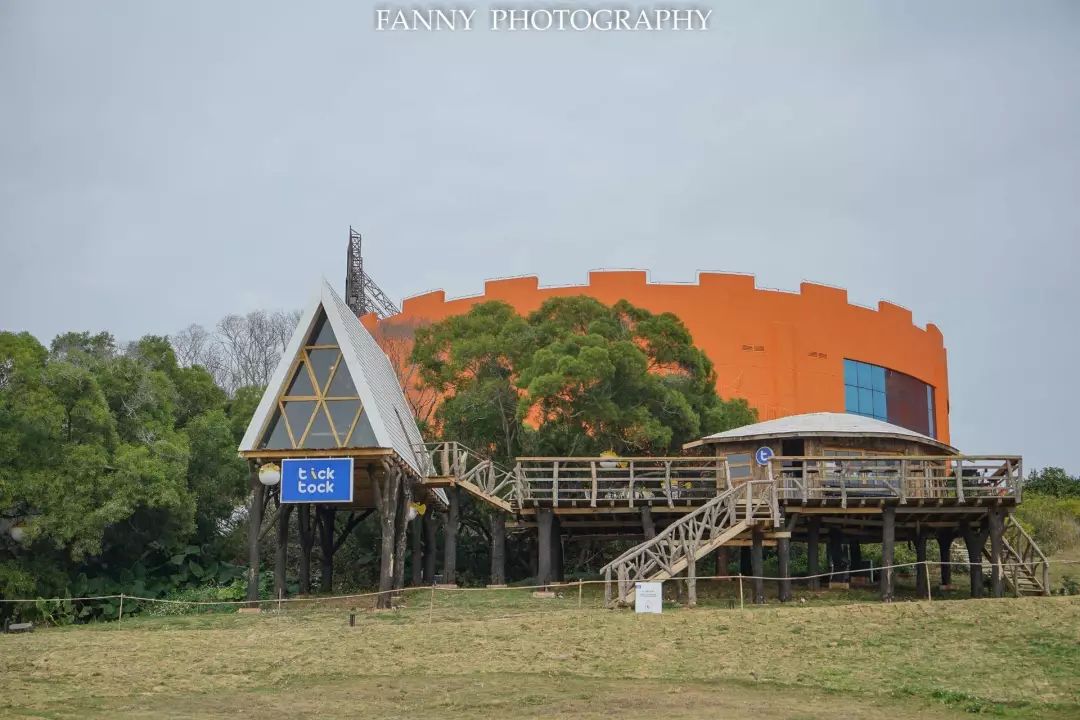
[{"x": 884, "y": 394}]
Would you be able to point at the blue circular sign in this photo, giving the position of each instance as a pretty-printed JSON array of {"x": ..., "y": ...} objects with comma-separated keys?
[{"x": 763, "y": 455}]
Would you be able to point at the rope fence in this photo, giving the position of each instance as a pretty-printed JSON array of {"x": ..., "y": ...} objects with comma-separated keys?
[{"x": 577, "y": 585}]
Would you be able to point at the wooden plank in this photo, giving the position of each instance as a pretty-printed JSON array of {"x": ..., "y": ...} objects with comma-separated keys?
[{"x": 477, "y": 491}]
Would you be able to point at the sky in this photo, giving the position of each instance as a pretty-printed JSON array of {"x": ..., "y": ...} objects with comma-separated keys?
[{"x": 167, "y": 163}]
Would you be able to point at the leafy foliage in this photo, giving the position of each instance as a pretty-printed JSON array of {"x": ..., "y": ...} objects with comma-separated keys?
[
  {"x": 574, "y": 377},
  {"x": 113, "y": 464}
]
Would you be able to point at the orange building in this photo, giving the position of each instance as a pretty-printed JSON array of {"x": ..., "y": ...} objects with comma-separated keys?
[{"x": 786, "y": 353}]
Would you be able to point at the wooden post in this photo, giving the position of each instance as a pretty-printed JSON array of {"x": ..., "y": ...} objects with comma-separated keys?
[
  {"x": 401, "y": 529},
  {"x": 855, "y": 558},
  {"x": 556, "y": 549},
  {"x": 945, "y": 540},
  {"x": 740, "y": 591},
  {"x": 120, "y": 618},
  {"x": 417, "y": 567},
  {"x": 888, "y": 539},
  {"x": 386, "y": 500},
  {"x": 757, "y": 564},
  {"x": 647, "y": 524},
  {"x": 307, "y": 542},
  {"x": 592, "y": 497},
  {"x": 544, "y": 545},
  {"x": 722, "y": 561},
  {"x": 450, "y": 530},
  {"x": 281, "y": 552},
  {"x": 997, "y": 576},
  {"x": 326, "y": 516},
  {"x": 498, "y": 548},
  {"x": 837, "y": 557},
  {"x": 974, "y": 540},
  {"x": 691, "y": 578},
  {"x": 254, "y": 526},
  {"x": 783, "y": 551},
  {"x": 431, "y": 545},
  {"x": 813, "y": 554},
  {"x": 922, "y": 572},
  {"x": 555, "y": 484}
]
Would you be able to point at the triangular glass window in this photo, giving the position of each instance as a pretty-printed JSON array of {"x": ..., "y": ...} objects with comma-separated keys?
[
  {"x": 362, "y": 434},
  {"x": 322, "y": 363},
  {"x": 277, "y": 436},
  {"x": 342, "y": 385},
  {"x": 343, "y": 414},
  {"x": 301, "y": 383},
  {"x": 322, "y": 333},
  {"x": 298, "y": 413},
  {"x": 320, "y": 435}
]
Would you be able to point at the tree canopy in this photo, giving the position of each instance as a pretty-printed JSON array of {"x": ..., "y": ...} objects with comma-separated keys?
[
  {"x": 574, "y": 377},
  {"x": 109, "y": 458}
]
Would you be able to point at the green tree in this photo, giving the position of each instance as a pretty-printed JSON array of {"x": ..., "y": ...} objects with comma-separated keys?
[{"x": 575, "y": 377}]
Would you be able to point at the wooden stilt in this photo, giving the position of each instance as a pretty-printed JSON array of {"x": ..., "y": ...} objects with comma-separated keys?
[
  {"x": 544, "y": 544},
  {"x": 888, "y": 540},
  {"x": 997, "y": 529},
  {"x": 254, "y": 526},
  {"x": 783, "y": 552},
  {"x": 498, "y": 548},
  {"x": 813, "y": 564},
  {"x": 757, "y": 565},
  {"x": 450, "y": 531}
]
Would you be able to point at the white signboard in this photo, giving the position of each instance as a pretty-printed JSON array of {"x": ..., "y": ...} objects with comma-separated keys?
[{"x": 648, "y": 597}]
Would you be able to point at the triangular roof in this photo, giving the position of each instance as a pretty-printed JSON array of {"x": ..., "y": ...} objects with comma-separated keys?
[
  {"x": 385, "y": 420},
  {"x": 830, "y": 424}
]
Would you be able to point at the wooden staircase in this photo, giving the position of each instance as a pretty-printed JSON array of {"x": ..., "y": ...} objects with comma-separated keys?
[
  {"x": 451, "y": 464},
  {"x": 1026, "y": 569},
  {"x": 692, "y": 537}
]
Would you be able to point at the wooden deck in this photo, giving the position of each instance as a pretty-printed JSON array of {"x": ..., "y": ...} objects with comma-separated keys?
[{"x": 598, "y": 486}]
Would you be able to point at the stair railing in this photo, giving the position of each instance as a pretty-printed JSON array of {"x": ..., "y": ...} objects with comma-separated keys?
[{"x": 753, "y": 500}]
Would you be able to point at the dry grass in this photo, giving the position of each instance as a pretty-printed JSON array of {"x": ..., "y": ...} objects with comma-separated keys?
[{"x": 499, "y": 655}]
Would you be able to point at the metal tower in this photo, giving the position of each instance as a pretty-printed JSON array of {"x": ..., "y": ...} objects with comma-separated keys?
[{"x": 362, "y": 295}]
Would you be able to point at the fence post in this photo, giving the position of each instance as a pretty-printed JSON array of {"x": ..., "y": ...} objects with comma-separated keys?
[
  {"x": 121, "y": 618},
  {"x": 926, "y": 569}
]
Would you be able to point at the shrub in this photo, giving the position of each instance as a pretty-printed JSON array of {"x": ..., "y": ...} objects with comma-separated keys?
[{"x": 1053, "y": 522}]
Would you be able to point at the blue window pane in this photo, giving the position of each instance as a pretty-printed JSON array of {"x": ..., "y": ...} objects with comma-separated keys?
[
  {"x": 851, "y": 398},
  {"x": 851, "y": 375},
  {"x": 877, "y": 377},
  {"x": 866, "y": 401},
  {"x": 930, "y": 411},
  {"x": 879, "y": 406},
  {"x": 865, "y": 371}
]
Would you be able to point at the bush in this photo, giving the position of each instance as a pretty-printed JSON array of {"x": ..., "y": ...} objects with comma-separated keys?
[{"x": 1053, "y": 522}]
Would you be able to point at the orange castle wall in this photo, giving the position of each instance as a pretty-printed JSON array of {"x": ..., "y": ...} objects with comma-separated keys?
[{"x": 781, "y": 351}]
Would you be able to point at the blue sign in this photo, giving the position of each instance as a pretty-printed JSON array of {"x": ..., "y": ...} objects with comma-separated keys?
[
  {"x": 317, "y": 480},
  {"x": 763, "y": 455}
]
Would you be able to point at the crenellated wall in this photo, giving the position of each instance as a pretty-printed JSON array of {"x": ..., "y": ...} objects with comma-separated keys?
[{"x": 781, "y": 351}]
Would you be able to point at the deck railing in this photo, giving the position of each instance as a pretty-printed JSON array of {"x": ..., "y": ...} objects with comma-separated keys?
[
  {"x": 606, "y": 482},
  {"x": 601, "y": 482},
  {"x": 961, "y": 478}
]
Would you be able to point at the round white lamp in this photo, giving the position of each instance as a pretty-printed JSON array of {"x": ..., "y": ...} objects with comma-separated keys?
[
  {"x": 269, "y": 474},
  {"x": 17, "y": 532}
]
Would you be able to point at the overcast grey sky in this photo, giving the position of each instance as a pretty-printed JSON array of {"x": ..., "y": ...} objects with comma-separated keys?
[{"x": 163, "y": 163}]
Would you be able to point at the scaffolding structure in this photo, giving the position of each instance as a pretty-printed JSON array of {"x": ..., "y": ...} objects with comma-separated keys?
[{"x": 362, "y": 293}]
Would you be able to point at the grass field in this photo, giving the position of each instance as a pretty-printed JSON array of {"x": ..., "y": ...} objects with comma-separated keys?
[{"x": 488, "y": 654}]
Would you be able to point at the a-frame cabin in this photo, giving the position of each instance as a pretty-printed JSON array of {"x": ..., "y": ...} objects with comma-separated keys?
[{"x": 335, "y": 396}]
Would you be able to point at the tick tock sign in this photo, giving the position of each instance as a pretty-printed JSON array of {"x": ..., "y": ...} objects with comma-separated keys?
[{"x": 317, "y": 480}]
